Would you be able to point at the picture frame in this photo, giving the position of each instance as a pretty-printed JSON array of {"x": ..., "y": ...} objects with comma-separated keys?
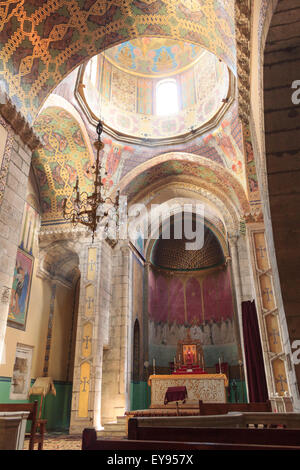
[{"x": 20, "y": 292}]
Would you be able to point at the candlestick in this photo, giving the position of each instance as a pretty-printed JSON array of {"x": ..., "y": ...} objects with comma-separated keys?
[
  {"x": 220, "y": 368},
  {"x": 154, "y": 366}
]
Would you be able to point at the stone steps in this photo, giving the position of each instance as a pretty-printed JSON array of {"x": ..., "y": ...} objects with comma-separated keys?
[{"x": 115, "y": 429}]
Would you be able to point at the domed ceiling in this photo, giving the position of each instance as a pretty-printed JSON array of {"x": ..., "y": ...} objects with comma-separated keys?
[
  {"x": 172, "y": 254},
  {"x": 153, "y": 57},
  {"x": 120, "y": 88}
]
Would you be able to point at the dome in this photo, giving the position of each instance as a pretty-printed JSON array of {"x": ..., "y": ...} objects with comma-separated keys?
[
  {"x": 121, "y": 87},
  {"x": 172, "y": 254}
]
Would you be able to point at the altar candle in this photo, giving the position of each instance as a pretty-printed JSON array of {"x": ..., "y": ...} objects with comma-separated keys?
[
  {"x": 220, "y": 370},
  {"x": 153, "y": 362}
]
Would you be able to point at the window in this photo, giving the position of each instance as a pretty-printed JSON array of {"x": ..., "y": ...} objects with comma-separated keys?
[{"x": 166, "y": 98}]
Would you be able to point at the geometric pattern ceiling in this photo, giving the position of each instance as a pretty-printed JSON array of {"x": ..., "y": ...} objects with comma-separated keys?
[
  {"x": 172, "y": 253},
  {"x": 42, "y": 41},
  {"x": 62, "y": 157}
]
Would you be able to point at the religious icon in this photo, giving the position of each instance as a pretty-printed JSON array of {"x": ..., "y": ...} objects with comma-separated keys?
[
  {"x": 189, "y": 354},
  {"x": 20, "y": 290}
]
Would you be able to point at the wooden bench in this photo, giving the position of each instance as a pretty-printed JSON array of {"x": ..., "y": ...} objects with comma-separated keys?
[
  {"x": 38, "y": 426},
  {"x": 206, "y": 409},
  {"x": 254, "y": 436},
  {"x": 91, "y": 442}
]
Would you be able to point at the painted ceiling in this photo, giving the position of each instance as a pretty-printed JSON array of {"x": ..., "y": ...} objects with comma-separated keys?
[
  {"x": 207, "y": 174},
  {"x": 42, "y": 41},
  {"x": 63, "y": 156},
  {"x": 153, "y": 57}
]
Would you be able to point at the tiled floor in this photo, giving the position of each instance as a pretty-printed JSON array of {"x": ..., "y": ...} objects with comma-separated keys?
[{"x": 59, "y": 442}]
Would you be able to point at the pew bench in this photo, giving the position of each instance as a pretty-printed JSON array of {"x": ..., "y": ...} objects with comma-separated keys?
[
  {"x": 91, "y": 442},
  {"x": 269, "y": 436},
  {"x": 38, "y": 426},
  {"x": 206, "y": 409}
]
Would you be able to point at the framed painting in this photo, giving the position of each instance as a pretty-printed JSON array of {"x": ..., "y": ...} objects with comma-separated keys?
[{"x": 20, "y": 292}]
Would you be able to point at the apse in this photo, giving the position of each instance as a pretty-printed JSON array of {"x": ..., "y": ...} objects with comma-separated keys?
[{"x": 190, "y": 292}]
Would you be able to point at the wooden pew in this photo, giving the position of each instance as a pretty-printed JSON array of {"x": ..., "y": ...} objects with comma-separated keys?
[
  {"x": 206, "y": 409},
  {"x": 91, "y": 442},
  {"x": 269, "y": 436},
  {"x": 37, "y": 429}
]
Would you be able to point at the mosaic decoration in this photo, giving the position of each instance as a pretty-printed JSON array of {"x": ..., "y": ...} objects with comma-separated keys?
[{"x": 41, "y": 41}]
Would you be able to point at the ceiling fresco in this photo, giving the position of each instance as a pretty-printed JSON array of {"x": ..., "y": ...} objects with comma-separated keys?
[
  {"x": 206, "y": 173},
  {"x": 127, "y": 102},
  {"x": 63, "y": 156},
  {"x": 42, "y": 41},
  {"x": 153, "y": 57}
]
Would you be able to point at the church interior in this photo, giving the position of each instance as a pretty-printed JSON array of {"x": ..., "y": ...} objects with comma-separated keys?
[{"x": 167, "y": 111}]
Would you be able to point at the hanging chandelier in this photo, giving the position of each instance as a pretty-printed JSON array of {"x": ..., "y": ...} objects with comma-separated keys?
[{"x": 90, "y": 210}]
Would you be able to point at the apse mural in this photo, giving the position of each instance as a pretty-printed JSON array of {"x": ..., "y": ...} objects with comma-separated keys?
[{"x": 198, "y": 303}]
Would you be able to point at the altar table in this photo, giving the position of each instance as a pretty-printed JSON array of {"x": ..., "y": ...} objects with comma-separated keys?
[
  {"x": 175, "y": 394},
  {"x": 210, "y": 388}
]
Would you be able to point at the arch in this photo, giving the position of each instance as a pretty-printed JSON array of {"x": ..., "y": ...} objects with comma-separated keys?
[
  {"x": 179, "y": 164},
  {"x": 59, "y": 36}
]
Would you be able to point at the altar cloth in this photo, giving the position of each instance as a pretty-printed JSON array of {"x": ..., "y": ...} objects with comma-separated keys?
[
  {"x": 210, "y": 388},
  {"x": 175, "y": 394}
]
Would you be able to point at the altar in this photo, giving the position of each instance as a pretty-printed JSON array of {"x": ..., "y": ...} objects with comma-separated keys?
[
  {"x": 210, "y": 388},
  {"x": 189, "y": 372}
]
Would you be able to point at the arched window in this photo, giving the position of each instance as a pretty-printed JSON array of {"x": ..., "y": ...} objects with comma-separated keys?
[{"x": 167, "y": 97}]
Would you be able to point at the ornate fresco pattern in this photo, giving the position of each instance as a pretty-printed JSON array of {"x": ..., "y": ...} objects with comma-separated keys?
[
  {"x": 42, "y": 41},
  {"x": 123, "y": 99},
  {"x": 153, "y": 56},
  {"x": 63, "y": 157},
  {"x": 176, "y": 166}
]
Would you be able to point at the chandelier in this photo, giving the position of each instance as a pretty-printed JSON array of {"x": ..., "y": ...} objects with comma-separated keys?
[{"x": 89, "y": 210}]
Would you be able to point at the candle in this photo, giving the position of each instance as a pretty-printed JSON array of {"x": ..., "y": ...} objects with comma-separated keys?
[
  {"x": 220, "y": 368},
  {"x": 153, "y": 362}
]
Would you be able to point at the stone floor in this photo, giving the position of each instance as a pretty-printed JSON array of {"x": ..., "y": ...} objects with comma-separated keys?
[{"x": 59, "y": 442}]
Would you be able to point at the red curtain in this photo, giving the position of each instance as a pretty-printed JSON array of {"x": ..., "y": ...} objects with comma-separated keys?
[{"x": 257, "y": 384}]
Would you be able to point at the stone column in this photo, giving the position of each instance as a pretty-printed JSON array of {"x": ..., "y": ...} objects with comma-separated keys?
[
  {"x": 272, "y": 323},
  {"x": 116, "y": 377},
  {"x": 87, "y": 381}
]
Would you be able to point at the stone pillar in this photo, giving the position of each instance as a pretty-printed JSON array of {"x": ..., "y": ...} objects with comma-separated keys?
[
  {"x": 272, "y": 323},
  {"x": 239, "y": 258},
  {"x": 87, "y": 381},
  {"x": 116, "y": 377}
]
